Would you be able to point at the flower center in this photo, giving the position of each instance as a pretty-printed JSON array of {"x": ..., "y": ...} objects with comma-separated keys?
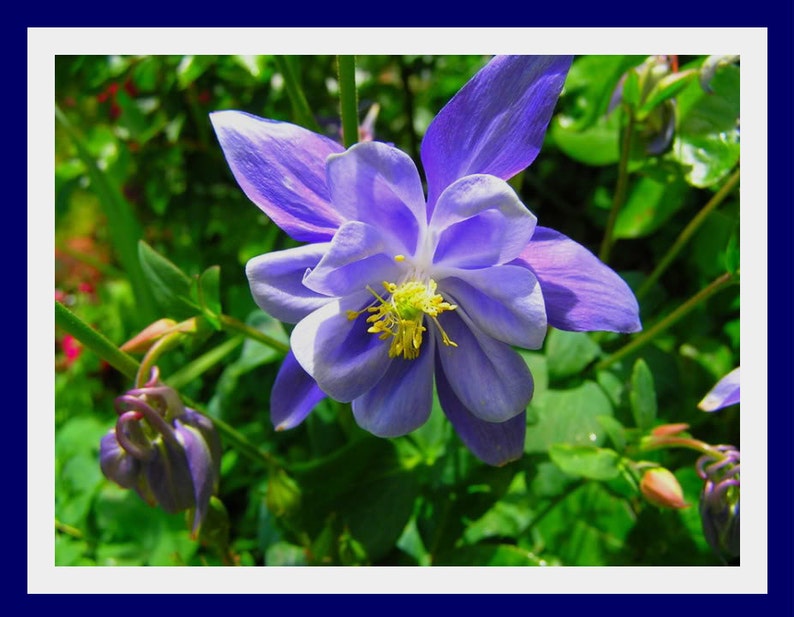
[{"x": 401, "y": 316}]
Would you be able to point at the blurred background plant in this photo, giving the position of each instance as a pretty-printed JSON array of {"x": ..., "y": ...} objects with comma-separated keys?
[{"x": 150, "y": 225}]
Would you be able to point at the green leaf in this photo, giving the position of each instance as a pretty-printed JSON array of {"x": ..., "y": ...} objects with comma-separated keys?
[
  {"x": 490, "y": 555},
  {"x": 631, "y": 89},
  {"x": 586, "y": 461},
  {"x": 597, "y": 145},
  {"x": 209, "y": 295},
  {"x": 643, "y": 395},
  {"x": 362, "y": 484},
  {"x": 589, "y": 87},
  {"x": 666, "y": 88},
  {"x": 567, "y": 416},
  {"x": 707, "y": 141},
  {"x": 615, "y": 431},
  {"x": 590, "y": 527},
  {"x": 569, "y": 353},
  {"x": 191, "y": 68},
  {"x": 170, "y": 286},
  {"x": 649, "y": 206}
]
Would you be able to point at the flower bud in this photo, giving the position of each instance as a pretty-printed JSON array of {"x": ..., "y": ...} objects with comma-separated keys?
[
  {"x": 661, "y": 488},
  {"x": 665, "y": 430},
  {"x": 168, "y": 453},
  {"x": 719, "y": 502}
]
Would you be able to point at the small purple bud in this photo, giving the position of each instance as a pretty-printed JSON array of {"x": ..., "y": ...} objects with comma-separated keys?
[
  {"x": 170, "y": 454},
  {"x": 719, "y": 501}
]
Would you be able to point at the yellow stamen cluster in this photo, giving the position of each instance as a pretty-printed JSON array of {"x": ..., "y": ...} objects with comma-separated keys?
[{"x": 401, "y": 317}]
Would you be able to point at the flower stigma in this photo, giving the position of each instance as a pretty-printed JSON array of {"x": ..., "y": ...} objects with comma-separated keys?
[{"x": 401, "y": 315}]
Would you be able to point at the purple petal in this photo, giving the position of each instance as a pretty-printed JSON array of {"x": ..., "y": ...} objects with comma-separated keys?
[
  {"x": 276, "y": 281},
  {"x": 378, "y": 184},
  {"x": 582, "y": 293},
  {"x": 495, "y": 443},
  {"x": 168, "y": 477},
  {"x": 281, "y": 168},
  {"x": 480, "y": 222},
  {"x": 116, "y": 463},
  {"x": 200, "y": 464},
  {"x": 294, "y": 395},
  {"x": 359, "y": 256},
  {"x": 402, "y": 400},
  {"x": 344, "y": 359},
  {"x": 489, "y": 378},
  {"x": 504, "y": 302},
  {"x": 724, "y": 393},
  {"x": 496, "y": 123}
]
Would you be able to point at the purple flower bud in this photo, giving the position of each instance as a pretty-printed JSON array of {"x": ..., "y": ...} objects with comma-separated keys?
[
  {"x": 168, "y": 453},
  {"x": 719, "y": 501},
  {"x": 116, "y": 463}
]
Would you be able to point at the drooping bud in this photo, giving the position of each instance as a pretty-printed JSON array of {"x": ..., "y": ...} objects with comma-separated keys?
[
  {"x": 168, "y": 453},
  {"x": 661, "y": 488},
  {"x": 665, "y": 430},
  {"x": 719, "y": 501}
]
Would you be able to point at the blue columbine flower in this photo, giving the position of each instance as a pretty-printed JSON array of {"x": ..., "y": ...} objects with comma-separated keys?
[{"x": 395, "y": 289}]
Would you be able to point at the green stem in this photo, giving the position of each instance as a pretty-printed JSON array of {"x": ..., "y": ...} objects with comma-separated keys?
[
  {"x": 96, "y": 342},
  {"x": 300, "y": 106},
  {"x": 716, "y": 285},
  {"x": 348, "y": 99},
  {"x": 553, "y": 504},
  {"x": 203, "y": 363},
  {"x": 230, "y": 323},
  {"x": 687, "y": 233},
  {"x": 681, "y": 442},
  {"x": 150, "y": 358},
  {"x": 620, "y": 189}
]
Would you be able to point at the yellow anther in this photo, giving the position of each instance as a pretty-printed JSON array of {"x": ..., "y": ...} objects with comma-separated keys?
[
  {"x": 399, "y": 258},
  {"x": 401, "y": 317}
]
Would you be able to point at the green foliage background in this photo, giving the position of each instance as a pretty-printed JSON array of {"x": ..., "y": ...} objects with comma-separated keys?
[{"x": 136, "y": 159}]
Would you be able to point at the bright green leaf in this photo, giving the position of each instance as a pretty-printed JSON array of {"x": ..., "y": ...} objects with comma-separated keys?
[
  {"x": 615, "y": 431},
  {"x": 586, "y": 461},
  {"x": 597, "y": 145},
  {"x": 642, "y": 395},
  {"x": 567, "y": 416},
  {"x": 569, "y": 353},
  {"x": 649, "y": 205}
]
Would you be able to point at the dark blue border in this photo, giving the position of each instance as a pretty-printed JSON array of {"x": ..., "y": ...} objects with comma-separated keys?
[{"x": 778, "y": 20}]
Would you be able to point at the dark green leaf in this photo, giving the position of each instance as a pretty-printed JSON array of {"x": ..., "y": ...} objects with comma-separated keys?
[
  {"x": 209, "y": 295},
  {"x": 490, "y": 555},
  {"x": 364, "y": 485},
  {"x": 170, "y": 286}
]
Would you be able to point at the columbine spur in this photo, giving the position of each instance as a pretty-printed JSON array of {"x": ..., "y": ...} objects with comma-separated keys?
[{"x": 395, "y": 288}]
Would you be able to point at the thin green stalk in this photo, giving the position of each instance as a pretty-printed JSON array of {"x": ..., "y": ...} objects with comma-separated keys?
[
  {"x": 687, "y": 233},
  {"x": 621, "y": 188},
  {"x": 300, "y": 106},
  {"x": 720, "y": 283},
  {"x": 96, "y": 342},
  {"x": 230, "y": 323},
  {"x": 682, "y": 442},
  {"x": 195, "y": 369},
  {"x": 348, "y": 99}
]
